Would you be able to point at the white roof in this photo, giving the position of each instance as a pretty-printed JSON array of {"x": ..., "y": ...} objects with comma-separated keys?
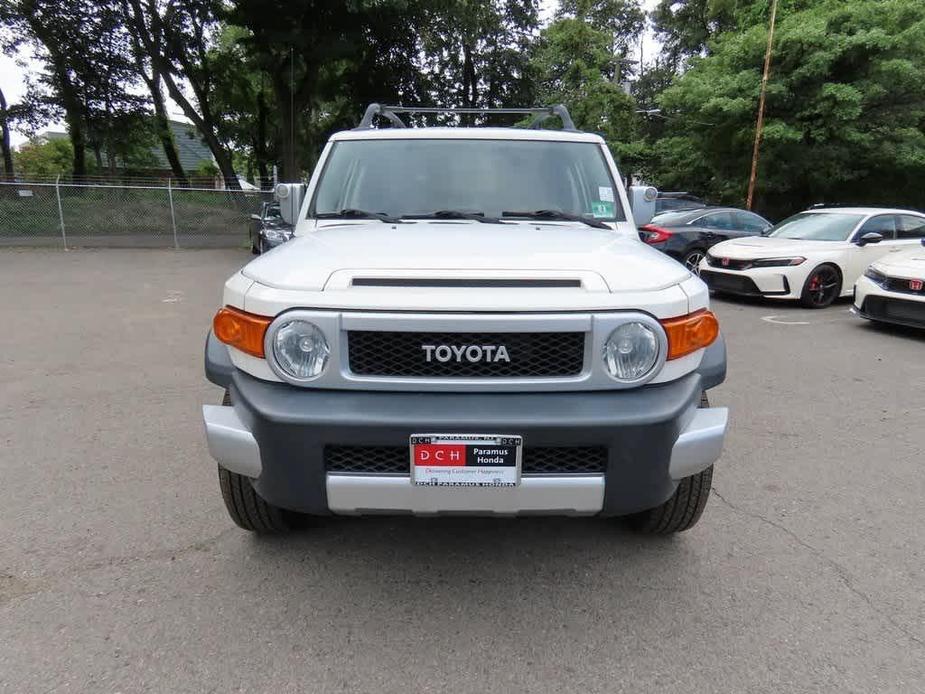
[
  {"x": 466, "y": 134},
  {"x": 864, "y": 210}
]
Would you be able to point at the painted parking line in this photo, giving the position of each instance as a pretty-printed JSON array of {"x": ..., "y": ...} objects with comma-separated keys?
[{"x": 778, "y": 320}]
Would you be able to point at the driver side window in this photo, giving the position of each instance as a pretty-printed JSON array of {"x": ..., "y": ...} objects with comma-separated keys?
[{"x": 883, "y": 224}]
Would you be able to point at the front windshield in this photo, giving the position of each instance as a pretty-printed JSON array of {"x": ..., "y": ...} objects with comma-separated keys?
[
  {"x": 412, "y": 177},
  {"x": 817, "y": 226}
]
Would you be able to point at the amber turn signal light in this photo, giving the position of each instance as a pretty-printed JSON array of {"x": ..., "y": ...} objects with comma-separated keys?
[
  {"x": 241, "y": 330},
  {"x": 689, "y": 333}
]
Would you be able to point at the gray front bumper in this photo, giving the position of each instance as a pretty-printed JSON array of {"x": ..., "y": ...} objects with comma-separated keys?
[{"x": 276, "y": 434}]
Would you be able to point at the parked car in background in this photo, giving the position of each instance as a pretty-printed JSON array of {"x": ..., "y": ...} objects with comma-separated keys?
[
  {"x": 667, "y": 202},
  {"x": 687, "y": 234},
  {"x": 892, "y": 290},
  {"x": 268, "y": 229},
  {"x": 815, "y": 256}
]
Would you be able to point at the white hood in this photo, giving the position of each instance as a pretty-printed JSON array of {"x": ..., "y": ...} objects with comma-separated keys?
[
  {"x": 770, "y": 247},
  {"x": 907, "y": 264},
  {"x": 444, "y": 249}
]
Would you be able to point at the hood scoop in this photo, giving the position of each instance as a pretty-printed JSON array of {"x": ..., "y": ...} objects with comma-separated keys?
[{"x": 462, "y": 283}]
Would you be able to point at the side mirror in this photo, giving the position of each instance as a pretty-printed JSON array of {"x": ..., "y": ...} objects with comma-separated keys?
[
  {"x": 642, "y": 202},
  {"x": 870, "y": 237},
  {"x": 923, "y": 240},
  {"x": 290, "y": 197}
]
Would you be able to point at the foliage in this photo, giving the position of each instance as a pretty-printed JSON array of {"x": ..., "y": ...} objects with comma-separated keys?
[
  {"x": 845, "y": 115},
  {"x": 576, "y": 66},
  {"x": 44, "y": 158}
]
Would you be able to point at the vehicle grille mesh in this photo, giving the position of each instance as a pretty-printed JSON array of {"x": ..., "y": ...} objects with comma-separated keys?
[
  {"x": 575, "y": 460},
  {"x": 895, "y": 310},
  {"x": 403, "y": 354}
]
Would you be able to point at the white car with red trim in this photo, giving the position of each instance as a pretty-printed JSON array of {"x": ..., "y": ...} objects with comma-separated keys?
[
  {"x": 813, "y": 257},
  {"x": 465, "y": 322},
  {"x": 892, "y": 290}
]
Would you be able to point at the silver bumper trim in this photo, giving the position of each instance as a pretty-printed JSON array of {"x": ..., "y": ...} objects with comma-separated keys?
[
  {"x": 366, "y": 494},
  {"x": 700, "y": 444},
  {"x": 230, "y": 442}
]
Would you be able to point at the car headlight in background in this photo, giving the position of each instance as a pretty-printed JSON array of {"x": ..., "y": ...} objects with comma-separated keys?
[
  {"x": 631, "y": 351},
  {"x": 300, "y": 349},
  {"x": 778, "y": 262},
  {"x": 875, "y": 276},
  {"x": 277, "y": 235}
]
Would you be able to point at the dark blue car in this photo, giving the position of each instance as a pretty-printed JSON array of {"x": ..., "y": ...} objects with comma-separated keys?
[{"x": 686, "y": 235}]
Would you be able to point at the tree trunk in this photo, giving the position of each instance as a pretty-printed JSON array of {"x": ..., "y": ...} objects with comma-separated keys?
[
  {"x": 161, "y": 64},
  {"x": 260, "y": 140},
  {"x": 162, "y": 126},
  {"x": 206, "y": 128},
  {"x": 5, "y": 140}
]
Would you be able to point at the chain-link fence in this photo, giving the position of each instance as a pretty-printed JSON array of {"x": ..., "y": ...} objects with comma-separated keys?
[{"x": 73, "y": 215}]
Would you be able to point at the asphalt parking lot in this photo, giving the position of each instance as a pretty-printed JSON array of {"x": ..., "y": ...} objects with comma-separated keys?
[{"x": 120, "y": 571}]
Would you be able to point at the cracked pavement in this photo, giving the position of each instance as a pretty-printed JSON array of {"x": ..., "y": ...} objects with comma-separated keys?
[{"x": 120, "y": 572}]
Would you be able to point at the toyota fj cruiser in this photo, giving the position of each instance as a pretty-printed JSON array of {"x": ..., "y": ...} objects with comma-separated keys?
[{"x": 466, "y": 322}]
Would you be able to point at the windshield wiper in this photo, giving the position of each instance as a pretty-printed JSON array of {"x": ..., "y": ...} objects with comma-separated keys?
[
  {"x": 351, "y": 213},
  {"x": 455, "y": 214},
  {"x": 558, "y": 215}
]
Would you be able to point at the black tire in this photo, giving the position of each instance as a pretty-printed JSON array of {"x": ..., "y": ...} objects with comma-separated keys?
[
  {"x": 682, "y": 511},
  {"x": 245, "y": 506},
  {"x": 822, "y": 287},
  {"x": 692, "y": 258},
  {"x": 254, "y": 249}
]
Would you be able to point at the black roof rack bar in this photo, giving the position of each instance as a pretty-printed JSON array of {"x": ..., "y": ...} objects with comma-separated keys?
[{"x": 540, "y": 114}]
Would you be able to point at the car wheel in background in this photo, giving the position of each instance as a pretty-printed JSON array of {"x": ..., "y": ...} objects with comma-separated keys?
[
  {"x": 692, "y": 260},
  {"x": 822, "y": 287}
]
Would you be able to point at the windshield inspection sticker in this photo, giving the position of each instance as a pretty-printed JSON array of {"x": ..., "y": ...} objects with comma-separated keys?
[
  {"x": 605, "y": 193},
  {"x": 601, "y": 208}
]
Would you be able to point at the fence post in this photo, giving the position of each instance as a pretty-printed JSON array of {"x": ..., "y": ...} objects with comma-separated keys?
[
  {"x": 173, "y": 217},
  {"x": 60, "y": 209}
]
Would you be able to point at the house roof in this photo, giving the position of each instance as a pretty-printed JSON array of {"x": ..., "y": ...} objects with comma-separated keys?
[{"x": 191, "y": 148}]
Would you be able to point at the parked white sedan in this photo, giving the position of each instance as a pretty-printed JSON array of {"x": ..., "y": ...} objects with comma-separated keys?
[
  {"x": 892, "y": 290},
  {"x": 814, "y": 256}
]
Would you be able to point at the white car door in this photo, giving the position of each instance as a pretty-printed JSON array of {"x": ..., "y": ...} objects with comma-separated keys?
[{"x": 859, "y": 257}]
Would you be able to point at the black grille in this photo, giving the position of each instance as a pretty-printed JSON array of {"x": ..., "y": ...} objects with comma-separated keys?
[
  {"x": 894, "y": 284},
  {"x": 728, "y": 263},
  {"x": 403, "y": 354},
  {"x": 895, "y": 310},
  {"x": 736, "y": 284},
  {"x": 397, "y": 460}
]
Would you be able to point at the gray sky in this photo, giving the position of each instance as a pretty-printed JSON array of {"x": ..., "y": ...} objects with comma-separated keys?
[{"x": 13, "y": 78}]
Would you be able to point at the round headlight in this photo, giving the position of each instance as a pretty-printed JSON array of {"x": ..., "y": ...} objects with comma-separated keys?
[
  {"x": 300, "y": 349},
  {"x": 631, "y": 351}
]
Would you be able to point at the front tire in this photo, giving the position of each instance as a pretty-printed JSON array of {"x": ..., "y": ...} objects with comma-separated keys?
[
  {"x": 822, "y": 287},
  {"x": 246, "y": 508},
  {"x": 682, "y": 511}
]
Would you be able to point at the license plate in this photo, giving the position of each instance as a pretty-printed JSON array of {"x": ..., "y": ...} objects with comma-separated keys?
[{"x": 466, "y": 460}]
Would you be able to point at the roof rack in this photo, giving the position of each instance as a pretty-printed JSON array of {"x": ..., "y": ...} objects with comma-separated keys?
[{"x": 540, "y": 114}]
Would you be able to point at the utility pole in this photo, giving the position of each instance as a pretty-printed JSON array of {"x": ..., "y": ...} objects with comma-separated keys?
[{"x": 760, "y": 125}]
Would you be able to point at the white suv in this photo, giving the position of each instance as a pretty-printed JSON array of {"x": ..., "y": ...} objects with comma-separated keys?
[{"x": 465, "y": 322}]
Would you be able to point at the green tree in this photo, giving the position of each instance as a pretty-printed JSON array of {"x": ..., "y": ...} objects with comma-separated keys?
[
  {"x": 44, "y": 158},
  {"x": 845, "y": 119},
  {"x": 475, "y": 53},
  {"x": 576, "y": 66},
  {"x": 87, "y": 74}
]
